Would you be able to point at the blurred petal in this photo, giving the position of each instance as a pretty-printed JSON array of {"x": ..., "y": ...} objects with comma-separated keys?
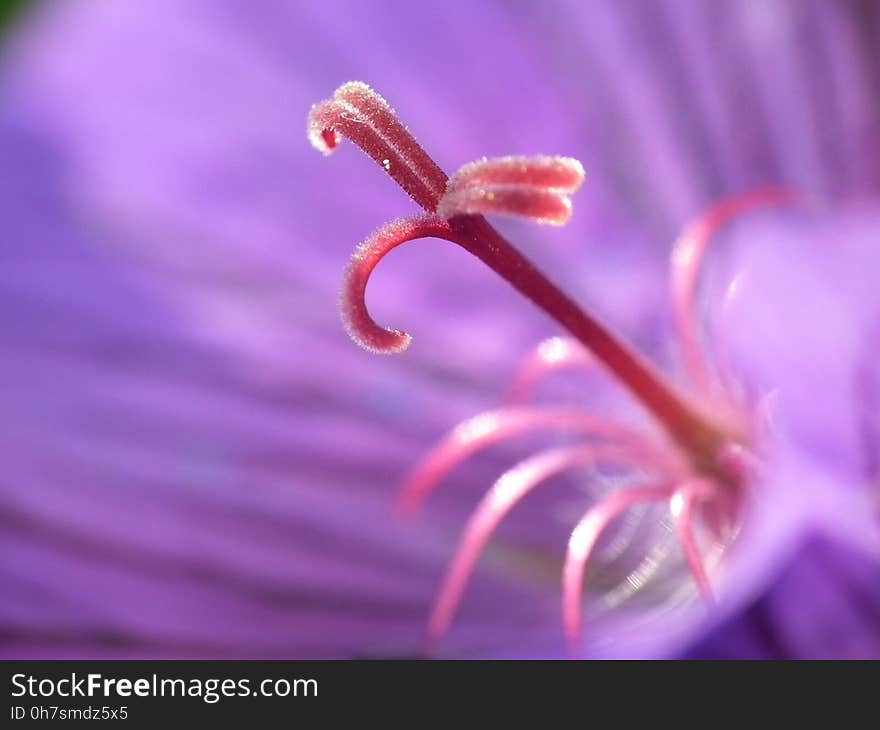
[
  {"x": 824, "y": 604},
  {"x": 799, "y": 319}
]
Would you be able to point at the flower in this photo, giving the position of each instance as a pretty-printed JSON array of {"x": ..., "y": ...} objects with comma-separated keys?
[{"x": 193, "y": 438}]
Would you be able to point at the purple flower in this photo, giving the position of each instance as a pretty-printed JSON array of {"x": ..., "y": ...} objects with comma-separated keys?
[{"x": 198, "y": 461}]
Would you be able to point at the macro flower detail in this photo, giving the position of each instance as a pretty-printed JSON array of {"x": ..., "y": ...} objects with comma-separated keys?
[
  {"x": 190, "y": 432},
  {"x": 532, "y": 187},
  {"x": 700, "y": 467}
]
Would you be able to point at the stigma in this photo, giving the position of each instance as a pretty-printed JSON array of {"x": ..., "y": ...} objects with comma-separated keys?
[{"x": 699, "y": 462}]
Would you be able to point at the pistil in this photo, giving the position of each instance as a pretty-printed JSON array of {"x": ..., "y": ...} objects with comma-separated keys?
[{"x": 527, "y": 187}]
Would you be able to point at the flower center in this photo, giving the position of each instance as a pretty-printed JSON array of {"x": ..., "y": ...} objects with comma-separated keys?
[{"x": 702, "y": 467}]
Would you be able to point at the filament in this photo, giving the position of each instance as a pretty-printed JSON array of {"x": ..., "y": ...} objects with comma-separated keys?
[
  {"x": 494, "y": 427},
  {"x": 582, "y": 543},
  {"x": 550, "y": 356},
  {"x": 688, "y": 253},
  {"x": 510, "y": 488}
]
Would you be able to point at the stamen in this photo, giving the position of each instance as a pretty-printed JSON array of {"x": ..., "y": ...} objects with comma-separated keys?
[
  {"x": 493, "y": 427},
  {"x": 533, "y": 187},
  {"x": 681, "y": 505},
  {"x": 550, "y": 356},
  {"x": 507, "y": 491},
  {"x": 688, "y": 253},
  {"x": 580, "y": 547},
  {"x": 365, "y": 118}
]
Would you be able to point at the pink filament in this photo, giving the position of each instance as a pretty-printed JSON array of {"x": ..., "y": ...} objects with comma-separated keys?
[
  {"x": 365, "y": 118},
  {"x": 507, "y": 491},
  {"x": 681, "y": 506},
  {"x": 688, "y": 253},
  {"x": 533, "y": 187},
  {"x": 551, "y": 355},
  {"x": 493, "y": 427},
  {"x": 580, "y": 547}
]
